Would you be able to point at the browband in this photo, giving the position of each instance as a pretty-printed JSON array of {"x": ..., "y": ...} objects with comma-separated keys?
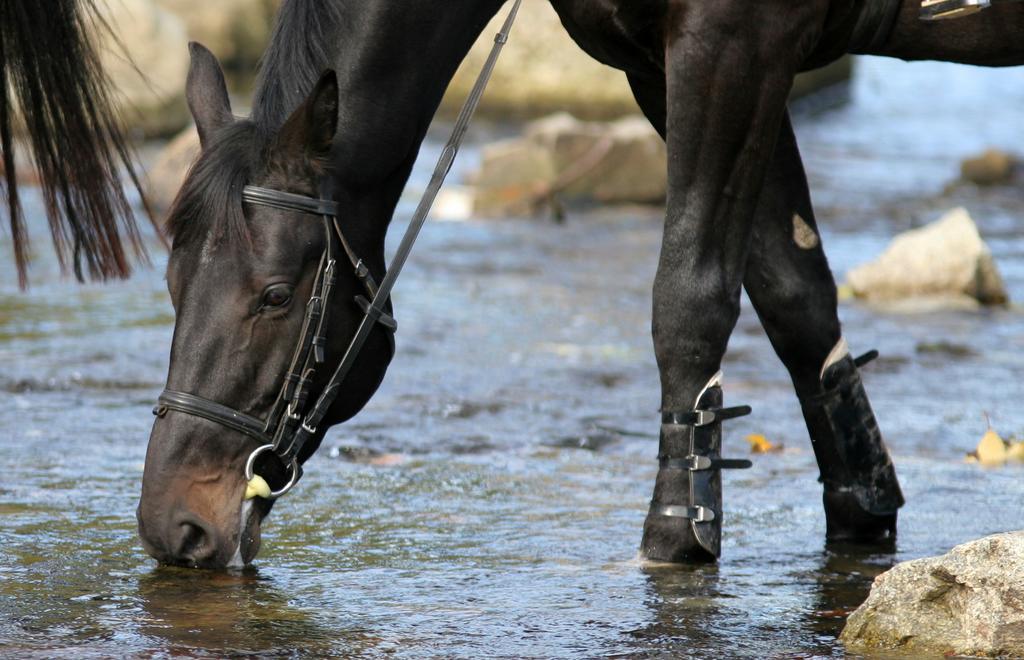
[{"x": 284, "y": 201}]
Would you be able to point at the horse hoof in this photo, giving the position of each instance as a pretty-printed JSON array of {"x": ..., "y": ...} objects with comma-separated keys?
[
  {"x": 847, "y": 521},
  {"x": 672, "y": 540}
]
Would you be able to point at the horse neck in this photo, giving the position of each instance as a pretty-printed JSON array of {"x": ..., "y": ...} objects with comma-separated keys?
[
  {"x": 394, "y": 61},
  {"x": 396, "y": 67}
]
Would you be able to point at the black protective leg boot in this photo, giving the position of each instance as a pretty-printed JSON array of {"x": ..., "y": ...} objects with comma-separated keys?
[
  {"x": 862, "y": 494},
  {"x": 684, "y": 523}
]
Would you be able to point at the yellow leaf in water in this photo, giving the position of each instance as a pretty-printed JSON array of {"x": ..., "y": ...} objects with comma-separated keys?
[
  {"x": 1016, "y": 451},
  {"x": 992, "y": 449},
  {"x": 760, "y": 444}
]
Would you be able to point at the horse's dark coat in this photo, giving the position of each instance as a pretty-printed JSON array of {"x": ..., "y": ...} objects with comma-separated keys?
[{"x": 713, "y": 78}]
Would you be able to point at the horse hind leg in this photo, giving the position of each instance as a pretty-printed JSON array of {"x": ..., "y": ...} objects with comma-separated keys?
[
  {"x": 729, "y": 68},
  {"x": 791, "y": 286}
]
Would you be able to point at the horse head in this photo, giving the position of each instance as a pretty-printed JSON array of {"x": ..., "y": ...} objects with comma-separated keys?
[{"x": 243, "y": 278}]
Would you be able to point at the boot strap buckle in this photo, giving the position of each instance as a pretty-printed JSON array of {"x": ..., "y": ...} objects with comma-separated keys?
[
  {"x": 695, "y": 513},
  {"x": 703, "y": 417},
  {"x": 695, "y": 463}
]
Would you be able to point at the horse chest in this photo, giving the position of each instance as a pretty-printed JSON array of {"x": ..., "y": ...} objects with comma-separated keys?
[{"x": 625, "y": 34}]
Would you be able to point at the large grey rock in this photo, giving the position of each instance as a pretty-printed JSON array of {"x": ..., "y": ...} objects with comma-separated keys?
[
  {"x": 577, "y": 162},
  {"x": 967, "y": 602},
  {"x": 945, "y": 260},
  {"x": 147, "y": 60}
]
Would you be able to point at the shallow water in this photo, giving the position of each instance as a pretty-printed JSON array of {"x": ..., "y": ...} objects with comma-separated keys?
[{"x": 489, "y": 501}]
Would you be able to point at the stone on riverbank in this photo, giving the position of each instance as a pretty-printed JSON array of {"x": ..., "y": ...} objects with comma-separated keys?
[
  {"x": 990, "y": 168},
  {"x": 165, "y": 176},
  {"x": 967, "y": 602},
  {"x": 946, "y": 260},
  {"x": 577, "y": 162},
  {"x": 147, "y": 61},
  {"x": 154, "y": 35},
  {"x": 236, "y": 30}
]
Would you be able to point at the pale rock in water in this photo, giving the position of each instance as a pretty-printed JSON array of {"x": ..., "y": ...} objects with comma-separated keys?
[
  {"x": 946, "y": 261},
  {"x": 577, "y": 162},
  {"x": 147, "y": 61},
  {"x": 967, "y": 602}
]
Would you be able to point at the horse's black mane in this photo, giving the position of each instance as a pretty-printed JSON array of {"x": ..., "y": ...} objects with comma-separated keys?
[
  {"x": 299, "y": 53},
  {"x": 210, "y": 200}
]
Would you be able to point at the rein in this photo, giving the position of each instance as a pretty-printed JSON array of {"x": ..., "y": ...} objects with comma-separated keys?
[{"x": 292, "y": 421}]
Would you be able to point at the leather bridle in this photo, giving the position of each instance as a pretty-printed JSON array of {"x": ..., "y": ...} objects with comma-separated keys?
[{"x": 293, "y": 420}]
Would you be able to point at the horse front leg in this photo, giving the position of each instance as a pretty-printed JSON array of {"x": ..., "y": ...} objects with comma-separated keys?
[
  {"x": 729, "y": 68},
  {"x": 791, "y": 286}
]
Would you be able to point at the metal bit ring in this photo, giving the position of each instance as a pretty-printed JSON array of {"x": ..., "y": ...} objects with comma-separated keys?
[{"x": 250, "y": 472}]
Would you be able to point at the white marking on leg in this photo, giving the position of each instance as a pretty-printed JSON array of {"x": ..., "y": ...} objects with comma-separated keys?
[
  {"x": 840, "y": 351},
  {"x": 803, "y": 235},
  {"x": 716, "y": 381}
]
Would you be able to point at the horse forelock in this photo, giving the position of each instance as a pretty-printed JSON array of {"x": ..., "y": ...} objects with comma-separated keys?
[{"x": 208, "y": 206}]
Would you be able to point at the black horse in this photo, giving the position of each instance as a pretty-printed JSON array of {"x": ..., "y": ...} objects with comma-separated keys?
[{"x": 712, "y": 77}]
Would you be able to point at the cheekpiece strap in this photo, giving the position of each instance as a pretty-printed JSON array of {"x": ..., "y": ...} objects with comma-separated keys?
[
  {"x": 704, "y": 417},
  {"x": 285, "y": 201}
]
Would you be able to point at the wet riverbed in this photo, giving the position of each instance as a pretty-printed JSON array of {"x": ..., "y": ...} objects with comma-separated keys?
[{"x": 489, "y": 501}]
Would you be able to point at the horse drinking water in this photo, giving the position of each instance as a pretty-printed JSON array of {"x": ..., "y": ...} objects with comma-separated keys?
[{"x": 278, "y": 244}]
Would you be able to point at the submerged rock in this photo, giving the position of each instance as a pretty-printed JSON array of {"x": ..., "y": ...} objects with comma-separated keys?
[
  {"x": 989, "y": 168},
  {"x": 967, "y": 602},
  {"x": 946, "y": 262},
  {"x": 577, "y": 162}
]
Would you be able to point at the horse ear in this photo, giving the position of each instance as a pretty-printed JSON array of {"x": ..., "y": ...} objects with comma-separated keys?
[
  {"x": 312, "y": 126},
  {"x": 207, "y": 93}
]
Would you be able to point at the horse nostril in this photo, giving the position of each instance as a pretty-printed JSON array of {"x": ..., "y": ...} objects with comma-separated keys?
[{"x": 195, "y": 543}]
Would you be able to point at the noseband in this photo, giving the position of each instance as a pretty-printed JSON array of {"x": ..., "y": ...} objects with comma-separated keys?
[{"x": 292, "y": 420}]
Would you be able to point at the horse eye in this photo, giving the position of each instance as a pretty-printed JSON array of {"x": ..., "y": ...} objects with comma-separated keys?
[{"x": 276, "y": 296}]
